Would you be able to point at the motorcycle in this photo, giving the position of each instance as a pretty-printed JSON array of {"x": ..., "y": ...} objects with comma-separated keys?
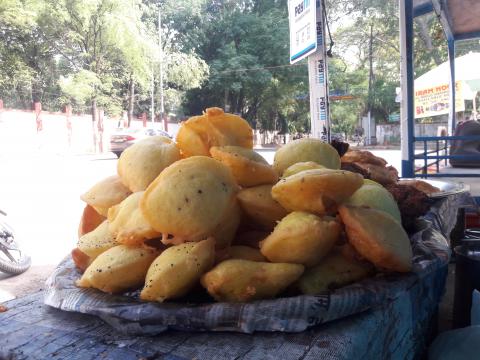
[{"x": 13, "y": 260}]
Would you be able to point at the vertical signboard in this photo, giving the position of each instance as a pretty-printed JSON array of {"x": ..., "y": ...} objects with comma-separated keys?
[
  {"x": 317, "y": 73},
  {"x": 301, "y": 16},
  {"x": 307, "y": 30}
]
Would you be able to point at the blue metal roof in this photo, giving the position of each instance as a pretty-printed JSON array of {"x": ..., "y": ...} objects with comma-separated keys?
[{"x": 460, "y": 18}]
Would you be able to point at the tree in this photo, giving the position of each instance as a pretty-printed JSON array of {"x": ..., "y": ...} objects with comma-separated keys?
[
  {"x": 245, "y": 43},
  {"x": 29, "y": 69}
]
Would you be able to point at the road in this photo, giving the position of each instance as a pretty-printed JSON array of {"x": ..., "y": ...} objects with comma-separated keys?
[{"x": 40, "y": 192}]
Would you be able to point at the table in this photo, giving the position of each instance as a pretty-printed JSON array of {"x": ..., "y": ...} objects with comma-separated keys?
[
  {"x": 398, "y": 329},
  {"x": 31, "y": 330}
]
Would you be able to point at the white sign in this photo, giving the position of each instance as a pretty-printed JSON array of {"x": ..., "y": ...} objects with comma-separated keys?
[
  {"x": 317, "y": 73},
  {"x": 302, "y": 19}
]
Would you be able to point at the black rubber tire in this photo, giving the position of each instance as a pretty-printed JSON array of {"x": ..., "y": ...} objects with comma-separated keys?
[{"x": 15, "y": 268}]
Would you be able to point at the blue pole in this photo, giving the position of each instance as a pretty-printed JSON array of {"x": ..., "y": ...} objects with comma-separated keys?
[
  {"x": 451, "y": 59},
  {"x": 409, "y": 163}
]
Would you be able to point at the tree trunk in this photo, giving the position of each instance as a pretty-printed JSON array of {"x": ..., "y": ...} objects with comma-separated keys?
[
  {"x": 131, "y": 97},
  {"x": 226, "y": 107},
  {"x": 35, "y": 92},
  {"x": 423, "y": 32},
  {"x": 370, "y": 74},
  {"x": 94, "y": 122}
]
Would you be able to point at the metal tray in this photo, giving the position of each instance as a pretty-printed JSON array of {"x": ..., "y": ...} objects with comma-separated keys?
[{"x": 447, "y": 188}]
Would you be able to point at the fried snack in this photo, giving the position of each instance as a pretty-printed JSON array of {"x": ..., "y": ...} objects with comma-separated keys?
[
  {"x": 375, "y": 167},
  {"x": 177, "y": 270},
  {"x": 413, "y": 203},
  {"x": 259, "y": 206},
  {"x": 333, "y": 272},
  {"x": 189, "y": 199},
  {"x": 246, "y": 253},
  {"x": 371, "y": 182},
  {"x": 363, "y": 156},
  {"x": 301, "y": 238},
  {"x": 353, "y": 167},
  {"x": 106, "y": 193},
  {"x": 127, "y": 224},
  {"x": 301, "y": 166},
  {"x": 248, "y": 167},
  {"x": 80, "y": 259},
  {"x": 89, "y": 221},
  {"x": 302, "y": 150},
  {"x": 243, "y": 280},
  {"x": 377, "y": 237},
  {"x": 340, "y": 146},
  {"x": 250, "y": 238},
  {"x": 142, "y": 162},
  {"x": 420, "y": 185},
  {"x": 375, "y": 197},
  {"x": 97, "y": 241},
  {"x": 225, "y": 232},
  {"x": 214, "y": 128},
  {"x": 118, "y": 269},
  {"x": 318, "y": 191},
  {"x": 382, "y": 175}
]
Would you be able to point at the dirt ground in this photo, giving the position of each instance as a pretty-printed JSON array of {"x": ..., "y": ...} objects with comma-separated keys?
[{"x": 30, "y": 281}]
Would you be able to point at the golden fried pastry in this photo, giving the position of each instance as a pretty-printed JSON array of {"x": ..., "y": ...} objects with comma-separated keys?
[
  {"x": 89, "y": 221},
  {"x": 177, "y": 270},
  {"x": 225, "y": 231},
  {"x": 371, "y": 182},
  {"x": 303, "y": 150},
  {"x": 238, "y": 280},
  {"x": 246, "y": 253},
  {"x": 377, "y": 237},
  {"x": 248, "y": 167},
  {"x": 106, "y": 193},
  {"x": 376, "y": 197},
  {"x": 142, "y": 162},
  {"x": 363, "y": 156},
  {"x": 97, "y": 241},
  {"x": 420, "y": 185},
  {"x": 214, "y": 128},
  {"x": 127, "y": 224},
  {"x": 301, "y": 166},
  {"x": 189, "y": 199},
  {"x": 80, "y": 259},
  {"x": 301, "y": 238},
  {"x": 259, "y": 206},
  {"x": 333, "y": 272},
  {"x": 318, "y": 191},
  {"x": 118, "y": 269}
]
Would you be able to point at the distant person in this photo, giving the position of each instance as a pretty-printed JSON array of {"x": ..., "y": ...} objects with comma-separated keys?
[{"x": 466, "y": 147}]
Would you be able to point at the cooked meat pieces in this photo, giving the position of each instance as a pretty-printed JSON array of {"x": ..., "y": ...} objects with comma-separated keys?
[
  {"x": 340, "y": 146},
  {"x": 413, "y": 203},
  {"x": 350, "y": 166}
]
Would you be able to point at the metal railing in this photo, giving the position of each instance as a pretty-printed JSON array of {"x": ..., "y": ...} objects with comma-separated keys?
[{"x": 442, "y": 145}]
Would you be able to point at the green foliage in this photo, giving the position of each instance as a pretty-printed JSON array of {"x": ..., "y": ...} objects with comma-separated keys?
[{"x": 232, "y": 54}]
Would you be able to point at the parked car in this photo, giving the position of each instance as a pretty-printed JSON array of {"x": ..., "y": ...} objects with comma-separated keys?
[{"x": 123, "y": 138}]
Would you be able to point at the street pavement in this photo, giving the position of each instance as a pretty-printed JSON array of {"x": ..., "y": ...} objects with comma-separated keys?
[{"x": 40, "y": 192}]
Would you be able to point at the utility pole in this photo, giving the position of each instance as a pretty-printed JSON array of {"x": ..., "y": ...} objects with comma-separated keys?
[
  {"x": 162, "y": 109},
  {"x": 152, "y": 105},
  {"x": 370, "y": 87}
]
